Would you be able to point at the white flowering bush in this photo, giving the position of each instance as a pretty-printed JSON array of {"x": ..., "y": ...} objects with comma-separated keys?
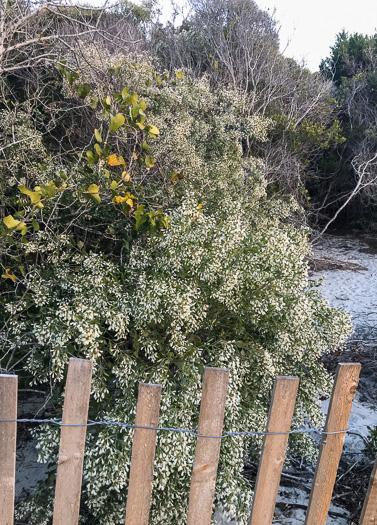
[{"x": 223, "y": 281}]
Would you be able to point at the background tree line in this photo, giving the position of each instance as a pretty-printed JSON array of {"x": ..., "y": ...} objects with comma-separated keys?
[{"x": 321, "y": 147}]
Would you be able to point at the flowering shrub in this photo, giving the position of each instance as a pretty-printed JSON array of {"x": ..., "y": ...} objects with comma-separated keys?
[{"x": 223, "y": 282}]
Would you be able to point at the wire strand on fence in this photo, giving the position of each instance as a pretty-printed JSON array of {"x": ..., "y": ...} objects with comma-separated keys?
[{"x": 192, "y": 432}]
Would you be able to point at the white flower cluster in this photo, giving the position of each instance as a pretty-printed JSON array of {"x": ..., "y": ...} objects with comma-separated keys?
[{"x": 227, "y": 294}]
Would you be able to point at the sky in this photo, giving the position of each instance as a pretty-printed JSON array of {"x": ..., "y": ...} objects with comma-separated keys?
[{"x": 308, "y": 28}]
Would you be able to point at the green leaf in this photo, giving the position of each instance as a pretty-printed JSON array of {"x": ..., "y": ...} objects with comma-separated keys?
[
  {"x": 48, "y": 190},
  {"x": 83, "y": 90},
  {"x": 135, "y": 110},
  {"x": 145, "y": 147},
  {"x": 71, "y": 77},
  {"x": 125, "y": 93},
  {"x": 132, "y": 98},
  {"x": 118, "y": 98},
  {"x": 139, "y": 216},
  {"x": 35, "y": 225},
  {"x": 107, "y": 103},
  {"x": 113, "y": 185},
  {"x": 116, "y": 122},
  {"x": 98, "y": 149},
  {"x": 98, "y": 136},
  {"x": 142, "y": 105}
]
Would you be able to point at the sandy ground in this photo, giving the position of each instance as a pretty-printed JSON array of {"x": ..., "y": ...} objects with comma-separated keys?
[{"x": 353, "y": 289}]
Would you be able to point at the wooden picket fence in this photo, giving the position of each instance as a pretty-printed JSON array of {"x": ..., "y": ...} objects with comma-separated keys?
[{"x": 72, "y": 444}]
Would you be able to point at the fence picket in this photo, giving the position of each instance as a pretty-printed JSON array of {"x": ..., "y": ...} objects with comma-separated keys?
[
  {"x": 8, "y": 433},
  {"x": 273, "y": 451},
  {"x": 72, "y": 445},
  {"x": 369, "y": 511},
  {"x": 207, "y": 451},
  {"x": 143, "y": 452},
  {"x": 344, "y": 390},
  {"x": 72, "y": 442}
]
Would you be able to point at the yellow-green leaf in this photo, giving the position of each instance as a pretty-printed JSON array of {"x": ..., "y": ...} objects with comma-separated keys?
[
  {"x": 10, "y": 222},
  {"x": 179, "y": 74},
  {"x": 9, "y": 275},
  {"x": 94, "y": 103},
  {"x": 153, "y": 131},
  {"x": 35, "y": 197},
  {"x": 92, "y": 193},
  {"x": 97, "y": 134},
  {"x": 116, "y": 122},
  {"x": 149, "y": 162}
]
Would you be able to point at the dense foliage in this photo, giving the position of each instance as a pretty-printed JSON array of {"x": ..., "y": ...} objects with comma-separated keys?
[{"x": 235, "y": 43}]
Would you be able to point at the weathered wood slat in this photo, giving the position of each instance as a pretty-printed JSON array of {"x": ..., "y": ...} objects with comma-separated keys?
[
  {"x": 344, "y": 390},
  {"x": 8, "y": 435},
  {"x": 273, "y": 451},
  {"x": 72, "y": 442},
  {"x": 369, "y": 511},
  {"x": 143, "y": 453},
  {"x": 207, "y": 449}
]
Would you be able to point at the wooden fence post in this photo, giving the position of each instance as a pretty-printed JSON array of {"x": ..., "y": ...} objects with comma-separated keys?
[
  {"x": 143, "y": 452},
  {"x": 369, "y": 512},
  {"x": 273, "y": 451},
  {"x": 346, "y": 380},
  {"x": 8, "y": 433},
  {"x": 72, "y": 442},
  {"x": 207, "y": 451}
]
